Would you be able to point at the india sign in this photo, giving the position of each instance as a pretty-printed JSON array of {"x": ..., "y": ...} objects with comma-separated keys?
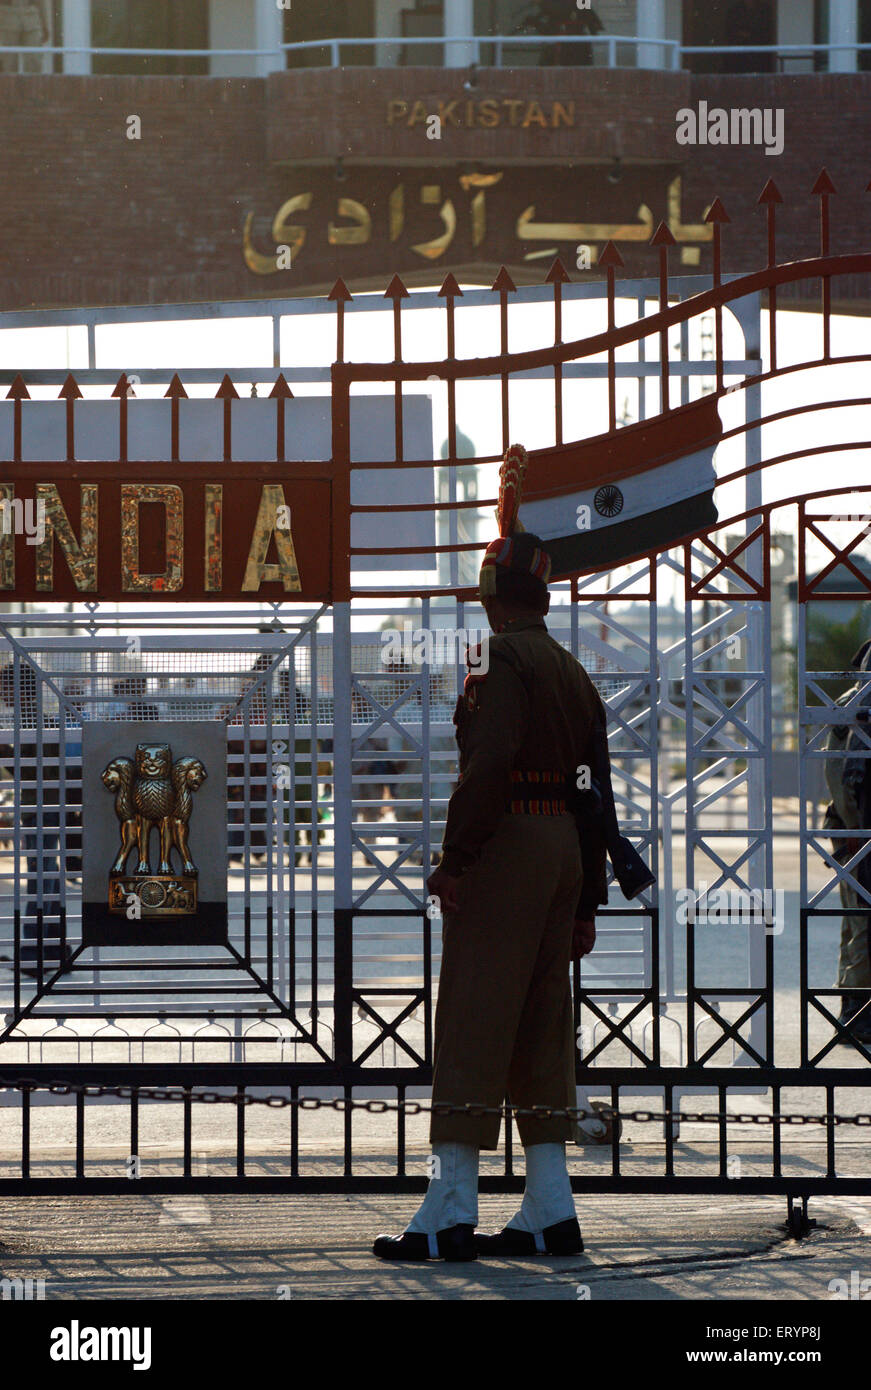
[{"x": 97, "y": 537}]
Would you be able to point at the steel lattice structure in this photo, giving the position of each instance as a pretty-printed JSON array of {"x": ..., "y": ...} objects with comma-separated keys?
[{"x": 340, "y": 763}]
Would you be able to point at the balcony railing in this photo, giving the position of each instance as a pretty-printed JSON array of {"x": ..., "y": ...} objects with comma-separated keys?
[{"x": 479, "y": 50}]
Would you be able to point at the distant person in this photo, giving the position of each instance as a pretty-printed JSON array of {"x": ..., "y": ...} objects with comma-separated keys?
[
  {"x": 75, "y": 692},
  {"x": 398, "y": 745},
  {"x": 125, "y": 703},
  {"x": 248, "y": 805},
  {"x": 742, "y": 32},
  {"x": 23, "y": 23},
  {"x": 38, "y": 801},
  {"x": 848, "y": 777},
  {"x": 562, "y": 17},
  {"x": 307, "y": 768},
  {"x": 130, "y": 693}
]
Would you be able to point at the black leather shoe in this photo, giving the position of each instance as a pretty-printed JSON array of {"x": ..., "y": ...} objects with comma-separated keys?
[
  {"x": 858, "y": 1028},
  {"x": 861, "y": 1028},
  {"x": 850, "y": 1005},
  {"x": 456, "y": 1244},
  {"x": 51, "y": 958},
  {"x": 563, "y": 1238}
]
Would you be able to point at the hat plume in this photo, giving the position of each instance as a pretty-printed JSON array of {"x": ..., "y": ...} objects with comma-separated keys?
[{"x": 511, "y": 474}]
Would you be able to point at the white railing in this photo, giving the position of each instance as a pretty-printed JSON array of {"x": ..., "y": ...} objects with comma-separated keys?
[
  {"x": 474, "y": 44},
  {"x": 484, "y": 50},
  {"x": 781, "y": 51}
]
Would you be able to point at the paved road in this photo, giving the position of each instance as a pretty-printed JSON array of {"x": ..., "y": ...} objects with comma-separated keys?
[{"x": 302, "y": 1248}]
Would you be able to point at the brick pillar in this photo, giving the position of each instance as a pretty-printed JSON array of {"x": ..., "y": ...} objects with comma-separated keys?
[
  {"x": 843, "y": 28},
  {"x": 76, "y": 32},
  {"x": 651, "y": 25},
  {"x": 268, "y": 33},
  {"x": 459, "y": 18}
]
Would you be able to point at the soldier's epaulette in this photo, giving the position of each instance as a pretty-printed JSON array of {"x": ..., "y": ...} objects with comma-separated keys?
[
  {"x": 473, "y": 661},
  {"x": 474, "y": 678},
  {"x": 498, "y": 650},
  {"x": 503, "y": 647}
]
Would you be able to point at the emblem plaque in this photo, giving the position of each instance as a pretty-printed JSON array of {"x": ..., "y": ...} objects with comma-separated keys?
[
  {"x": 154, "y": 842},
  {"x": 153, "y": 793}
]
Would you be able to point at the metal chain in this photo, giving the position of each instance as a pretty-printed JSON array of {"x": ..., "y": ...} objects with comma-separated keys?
[{"x": 415, "y": 1107}]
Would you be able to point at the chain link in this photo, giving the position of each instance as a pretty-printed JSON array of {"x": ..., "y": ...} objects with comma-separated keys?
[{"x": 240, "y": 1096}]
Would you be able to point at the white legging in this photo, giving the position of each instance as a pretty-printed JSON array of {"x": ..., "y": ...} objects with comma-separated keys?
[{"x": 452, "y": 1196}]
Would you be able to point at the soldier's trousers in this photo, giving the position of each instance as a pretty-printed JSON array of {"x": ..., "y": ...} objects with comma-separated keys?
[
  {"x": 20, "y": 25},
  {"x": 854, "y": 963},
  {"x": 504, "y": 1024}
]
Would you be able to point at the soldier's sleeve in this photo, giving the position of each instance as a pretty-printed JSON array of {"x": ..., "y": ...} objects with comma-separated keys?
[
  {"x": 843, "y": 795},
  {"x": 493, "y": 732},
  {"x": 594, "y": 889}
]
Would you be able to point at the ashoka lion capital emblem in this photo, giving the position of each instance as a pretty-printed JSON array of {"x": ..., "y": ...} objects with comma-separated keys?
[{"x": 154, "y": 793}]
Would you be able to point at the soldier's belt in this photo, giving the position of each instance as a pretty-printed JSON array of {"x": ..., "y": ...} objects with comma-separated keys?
[{"x": 537, "y": 793}]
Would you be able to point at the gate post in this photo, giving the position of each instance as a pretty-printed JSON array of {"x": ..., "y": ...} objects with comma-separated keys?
[
  {"x": 343, "y": 886},
  {"x": 343, "y": 921},
  {"x": 760, "y": 864}
]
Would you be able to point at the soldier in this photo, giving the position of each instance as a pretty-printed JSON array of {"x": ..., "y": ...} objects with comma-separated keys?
[
  {"x": 40, "y": 813},
  {"x": 849, "y": 781},
  {"x": 563, "y": 17},
  {"x": 516, "y": 905},
  {"x": 23, "y": 24}
]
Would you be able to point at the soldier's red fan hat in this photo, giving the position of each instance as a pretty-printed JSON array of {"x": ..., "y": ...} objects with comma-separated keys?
[{"x": 514, "y": 551}]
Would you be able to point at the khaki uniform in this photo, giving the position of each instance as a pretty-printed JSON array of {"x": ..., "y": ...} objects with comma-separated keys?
[
  {"x": 504, "y": 1021},
  {"x": 854, "y": 962},
  {"x": 21, "y": 24}
]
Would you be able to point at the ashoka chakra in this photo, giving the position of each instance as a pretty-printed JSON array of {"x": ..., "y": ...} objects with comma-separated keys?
[
  {"x": 608, "y": 500},
  {"x": 152, "y": 894}
]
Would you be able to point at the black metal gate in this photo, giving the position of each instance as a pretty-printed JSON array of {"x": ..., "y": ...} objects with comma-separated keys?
[{"x": 340, "y": 763}]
